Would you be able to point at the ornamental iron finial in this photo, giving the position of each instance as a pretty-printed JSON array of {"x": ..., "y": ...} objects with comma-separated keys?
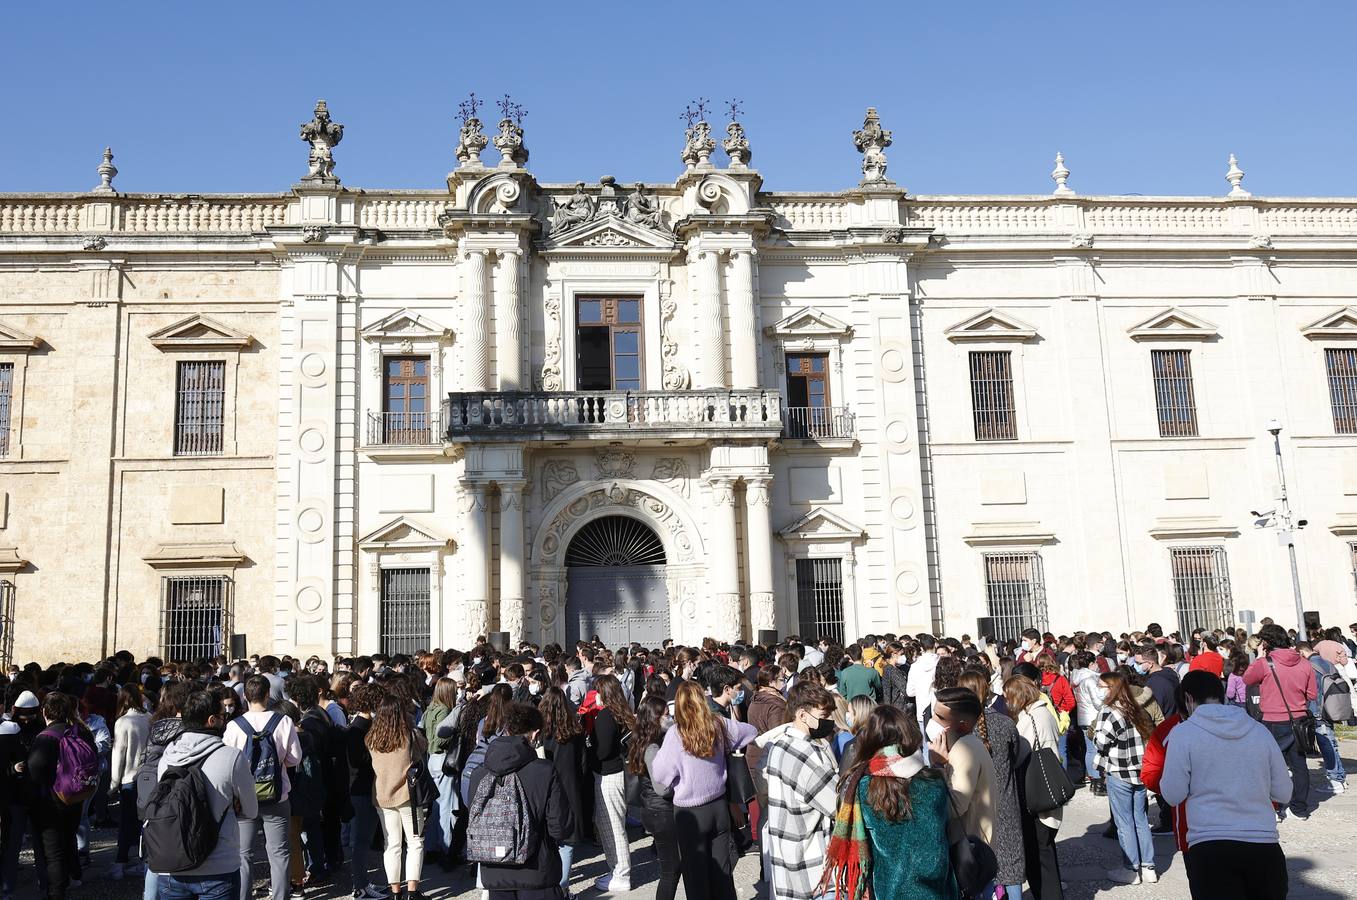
[
  {"x": 107, "y": 172},
  {"x": 1235, "y": 176},
  {"x": 871, "y": 140},
  {"x": 323, "y": 135},
  {"x": 698, "y": 143},
  {"x": 471, "y": 140},
  {"x": 736, "y": 143},
  {"x": 1060, "y": 175}
]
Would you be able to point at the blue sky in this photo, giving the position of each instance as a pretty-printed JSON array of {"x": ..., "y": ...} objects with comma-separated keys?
[{"x": 1142, "y": 97}]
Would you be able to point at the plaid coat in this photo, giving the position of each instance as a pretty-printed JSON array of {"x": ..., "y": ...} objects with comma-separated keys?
[
  {"x": 801, "y": 774},
  {"x": 1120, "y": 750}
]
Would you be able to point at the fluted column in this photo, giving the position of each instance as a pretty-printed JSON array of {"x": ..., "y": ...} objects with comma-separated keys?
[
  {"x": 723, "y": 577},
  {"x": 511, "y": 559},
  {"x": 710, "y": 337},
  {"x": 474, "y": 338},
  {"x": 744, "y": 348},
  {"x": 508, "y": 322},
  {"x": 475, "y": 563},
  {"x": 759, "y": 546}
]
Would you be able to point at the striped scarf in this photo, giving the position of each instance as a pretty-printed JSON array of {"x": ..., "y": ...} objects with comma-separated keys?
[{"x": 848, "y": 861}]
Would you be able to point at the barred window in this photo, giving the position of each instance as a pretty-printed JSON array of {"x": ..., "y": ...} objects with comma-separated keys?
[
  {"x": 1352, "y": 555},
  {"x": 1342, "y": 368},
  {"x": 1201, "y": 588},
  {"x": 992, "y": 395},
  {"x": 7, "y": 592},
  {"x": 6, "y": 392},
  {"x": 199, "y": 401},
  {"x": 195, "y": 617},
  {"x": 1173, "y": 395},
  {"x": 405, "y": 611},
  {"x": 819, "y": 598},
  {"x": 1015, "y": 589}
]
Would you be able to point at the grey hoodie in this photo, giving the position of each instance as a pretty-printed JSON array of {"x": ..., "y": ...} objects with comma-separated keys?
[
  {"x": 1229, "y": 771},
  {"x": 232, "y": 783}
]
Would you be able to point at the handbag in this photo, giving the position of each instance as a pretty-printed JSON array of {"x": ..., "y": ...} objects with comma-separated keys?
[
  {"x": 974, "y": 863},
  {"x": 1303, "y": 727},
  {"x": 739, "y": 782},
  {"x": 1046, "y": 783}
]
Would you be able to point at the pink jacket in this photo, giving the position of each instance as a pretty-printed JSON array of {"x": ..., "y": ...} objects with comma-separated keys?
[{"x": 1297, "y": 678}]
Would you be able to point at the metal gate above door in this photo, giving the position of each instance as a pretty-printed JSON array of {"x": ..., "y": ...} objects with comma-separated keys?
[{"x": 620, "y": 604}]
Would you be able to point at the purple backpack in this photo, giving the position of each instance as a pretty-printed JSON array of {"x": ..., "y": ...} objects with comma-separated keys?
[{"x": 77, "y": 766}]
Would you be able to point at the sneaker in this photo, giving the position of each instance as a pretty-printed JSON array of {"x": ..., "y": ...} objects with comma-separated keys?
[
  {"x": 115, "y": 872},
  {"x": 1124, "y": 876},
  {"x": 1337, "y": 787},
  {"x": 1148, "y": 875},
  {"x": 370, "y": 892},
  {"x": 610, "y": 884},
  {"x": 416, "y": 895}
]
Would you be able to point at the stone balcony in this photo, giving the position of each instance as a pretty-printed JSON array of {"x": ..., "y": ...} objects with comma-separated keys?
[{"x": 660, "y": 417}]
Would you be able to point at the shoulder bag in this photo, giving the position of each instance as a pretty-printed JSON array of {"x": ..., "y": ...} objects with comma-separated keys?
[
  {"x": 1302, "y": 726},
  {"x": 1046, "y": 783}
]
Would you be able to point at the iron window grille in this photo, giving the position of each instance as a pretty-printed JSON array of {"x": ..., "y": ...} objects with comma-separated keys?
[
  {"x": 405, "y": 611},
  {"x": 1201, "y": 588},
  {"x": 1015, "y": 591},
  {"x": 199, "y": 405},
  {"x": 819, "y": 597},
  {"x": 992, "y": 395},
  {"x": 7, "y": 593},
  {"x": 1173, "y": 395},
  {"x": 1341, "y": 365},
  {"x": 195, "y": 617},
  {"x": 1352, "y": 556},
  {"x": 6, "y": 392}
]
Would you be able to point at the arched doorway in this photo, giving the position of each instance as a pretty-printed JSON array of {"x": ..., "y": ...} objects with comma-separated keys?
[{"x": 615, "y": 579}]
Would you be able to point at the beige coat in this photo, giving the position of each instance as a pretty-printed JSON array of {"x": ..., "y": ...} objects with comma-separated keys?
[
  {"x": 1037, "y": 726},
  {"x": 970, "y": 776}
]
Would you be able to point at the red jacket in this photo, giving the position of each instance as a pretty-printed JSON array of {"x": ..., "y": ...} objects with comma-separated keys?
[
  {"x": 1058, "y": 686},
  {"x": 1152, "y": 767}
]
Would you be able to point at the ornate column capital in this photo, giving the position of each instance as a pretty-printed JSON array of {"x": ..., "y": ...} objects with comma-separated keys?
[{"x": 757, "y": 489}]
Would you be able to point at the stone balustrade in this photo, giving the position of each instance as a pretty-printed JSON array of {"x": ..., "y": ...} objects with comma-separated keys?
[{"x": 394, "y": 213}]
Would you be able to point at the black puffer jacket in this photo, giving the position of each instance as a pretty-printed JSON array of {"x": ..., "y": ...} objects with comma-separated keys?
[{"x": 548, "y": 811}]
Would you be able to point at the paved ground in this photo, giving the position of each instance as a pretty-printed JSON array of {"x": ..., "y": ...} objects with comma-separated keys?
[{"x": 1321, "y": 855}]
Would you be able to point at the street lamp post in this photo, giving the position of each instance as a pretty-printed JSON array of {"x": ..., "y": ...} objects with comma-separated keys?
[{"x": 1287, "y": 532}]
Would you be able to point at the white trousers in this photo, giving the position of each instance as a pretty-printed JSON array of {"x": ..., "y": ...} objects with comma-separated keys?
[
  {"x": 399, "y": 823},
  {"x": 610, "y": 819}
]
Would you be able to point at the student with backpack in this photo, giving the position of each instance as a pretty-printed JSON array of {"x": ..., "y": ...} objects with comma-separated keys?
[
  {"x": 166, "y": 726},
  {"x": 270, "y": 745},
  {"x": 518, "y": 814},
  {"x": 192, "y": 836},
  {"x": 323, "y": 742},
  {"x": 63, "y": 767},
  {"x": 1332, "y": 704}
]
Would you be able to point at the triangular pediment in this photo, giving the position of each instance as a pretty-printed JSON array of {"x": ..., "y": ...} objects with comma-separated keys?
[
  {"x": 610, "y": 233},
  {"x": 404, "y": 533},
  {"x": 991, "y": 325},
  {"x": 822, "y": 525},
  {"x": 808, "y": 322},
  {"x": 1171, "y": 324},
  {"x": 14, "y": 340},
  {"x": 199, "y": 332},
  {"x": 404, "y": 324},
  {"x": 1339, "y": 324}
]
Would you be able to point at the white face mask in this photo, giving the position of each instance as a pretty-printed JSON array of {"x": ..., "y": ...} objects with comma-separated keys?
[
  {"x": 933, "y": 730},
  {"x": 534, "y": 689}
]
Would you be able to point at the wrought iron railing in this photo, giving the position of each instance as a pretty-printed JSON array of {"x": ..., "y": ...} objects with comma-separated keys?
[
  {"x": 818, "y": 423},
  {"x": 403, "y": 429},
  {"x": 604, "y": 410}
]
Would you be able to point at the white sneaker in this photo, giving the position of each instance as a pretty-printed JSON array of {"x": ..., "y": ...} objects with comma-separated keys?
[
  {"x": 1337, "y": 787},
  {"x": 1148, "y": 875},
  {"x": 1124, "y": 876},
  {"x": 610, "y": 884}
]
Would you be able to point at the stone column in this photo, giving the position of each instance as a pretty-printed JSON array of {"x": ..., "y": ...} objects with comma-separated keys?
[
  {"x": 744, "y": 347},
  {"x": 511, "y": 561},
  {"x": 709, "y": 336},
  {"x": 723, "y": 577},
  {"x": 475, "y": 562},
  {"x": 508, "y": 322},
  {"x": 759, "y": 546},
  {"x": 474, "y": 339}
]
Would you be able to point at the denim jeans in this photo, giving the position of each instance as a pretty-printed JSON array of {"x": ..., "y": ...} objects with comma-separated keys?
[
  {"x": 1132, "y": 815},
  {"x": 151, "y": 890},
  {"x": 1061, "y": 745},
  {"x": 214, "y": 887},
  {"x": 1328, "y": 748},
  {"x": 1285, "y": 737},
  {"x": 1090, "y": 751},
  {"x": 567, "y": 858},
  {"x": 439, "y": 829}
]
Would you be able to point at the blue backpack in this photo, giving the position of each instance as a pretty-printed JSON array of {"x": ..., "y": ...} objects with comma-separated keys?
[{"x": 263, "y": 756}]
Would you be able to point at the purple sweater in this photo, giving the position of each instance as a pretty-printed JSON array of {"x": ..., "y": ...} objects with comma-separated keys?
[{"x": 697, "y": 781}]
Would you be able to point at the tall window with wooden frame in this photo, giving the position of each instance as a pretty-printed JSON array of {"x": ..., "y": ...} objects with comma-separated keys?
[
  {"x": 608, "y": 343},
  {"x": 808, "y": 404},
  {"x": 405, "y": 400},
  {"x": 1201, "y": 588},
  {"x": 199, "y": 408},
  {"x": 6, "y": 403},
  {"x": 992, "y": 406},
  {"x": 1174, "y": 398},
  {"x": 819, "y": 597},
  {"x": 1341, "y": 365}
]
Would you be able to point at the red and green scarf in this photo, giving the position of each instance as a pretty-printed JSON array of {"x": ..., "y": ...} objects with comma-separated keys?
[{"x": 848, "y": 860}]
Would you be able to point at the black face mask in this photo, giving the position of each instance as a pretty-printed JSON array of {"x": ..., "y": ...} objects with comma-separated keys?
[{"x": 824, "y": 729}]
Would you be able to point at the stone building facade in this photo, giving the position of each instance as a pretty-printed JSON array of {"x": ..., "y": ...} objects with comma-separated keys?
[{"x": 336, "y": 420}]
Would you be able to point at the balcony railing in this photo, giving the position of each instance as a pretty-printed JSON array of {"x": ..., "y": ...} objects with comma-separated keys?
[
  {"x": 814, "y": 423},
  {"x": 403, "y": 429},
  {"x": 720, "y": 411}
]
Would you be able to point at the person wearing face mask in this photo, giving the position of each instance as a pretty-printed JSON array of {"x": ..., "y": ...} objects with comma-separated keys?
[
  {"x": 657, "y": 804},
  {"x": 1030, "y": 646},
  {"x": 1162, "y": 682},
  {"x": 801, "y": 774},
  {"x": 1034, "y": 716},
  {"x": 1226, "y": 771},
  {"x": 964, "y": 761}
]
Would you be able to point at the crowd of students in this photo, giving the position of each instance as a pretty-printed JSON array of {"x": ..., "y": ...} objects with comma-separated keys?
[{"x": 911, "y": 766}]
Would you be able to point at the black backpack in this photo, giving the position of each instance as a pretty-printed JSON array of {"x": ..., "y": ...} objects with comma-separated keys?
[{"x": 180, "y": 831}]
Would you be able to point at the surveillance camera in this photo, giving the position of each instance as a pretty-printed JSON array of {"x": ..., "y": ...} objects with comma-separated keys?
[
  {"x": 1274, "y": 426},
  {"x": 1301, "y": 523},
  {"x": 1255, "y": 513}
]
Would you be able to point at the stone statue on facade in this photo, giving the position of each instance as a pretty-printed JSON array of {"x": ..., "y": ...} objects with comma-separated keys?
[
  {"x": 871, "y": 140},
  {"x": 576, "y": 210},
  {"x": 643, "y": 210},
  {"x": 323, "y": 135}
]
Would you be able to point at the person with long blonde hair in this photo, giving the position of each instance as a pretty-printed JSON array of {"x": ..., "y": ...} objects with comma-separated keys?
[
  {"x": 389, "y": 741},
  {"x": 692, "y": 762}
]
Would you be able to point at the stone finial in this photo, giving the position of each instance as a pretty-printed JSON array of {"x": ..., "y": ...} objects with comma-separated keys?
[
  {"x": 1235, "y": 176},
  {"x": 509, "y": 141},
  {"x": 107, "y": 172},
  {"x": 871, "y": 140},
  {"x": 471, "y": 140},
  {"x": 1060, "y": 175},
  {"x": 323, "y": 135},
  {"x": 736, "y": 146},
  {"x": 698, "y": 144}
]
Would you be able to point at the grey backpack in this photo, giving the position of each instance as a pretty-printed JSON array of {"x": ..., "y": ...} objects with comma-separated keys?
[
  {"x": 499, "y": 826},
  {"x": 1335, "y": 697}
]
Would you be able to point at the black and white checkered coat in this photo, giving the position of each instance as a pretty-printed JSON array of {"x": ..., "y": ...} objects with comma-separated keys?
[
  {"x": 1120, "y": 750},
  {"x": 801, "y": 775}
]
